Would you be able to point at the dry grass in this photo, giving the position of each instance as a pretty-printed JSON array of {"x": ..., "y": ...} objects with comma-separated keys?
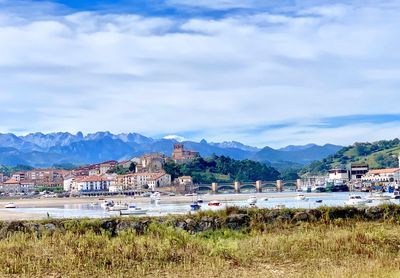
[{"x": 345, "y": 249}]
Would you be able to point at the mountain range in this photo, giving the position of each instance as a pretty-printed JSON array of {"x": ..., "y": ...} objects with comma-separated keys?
[{"x": 43, "y": 150}]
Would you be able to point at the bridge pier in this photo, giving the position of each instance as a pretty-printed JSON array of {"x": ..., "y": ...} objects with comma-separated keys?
[
  {"x": 258, "y": 186},
  {"x": 237, "y": 187},
  {"x": 214, "y": 187},
  {"x": 279, "y": 185},
  {"x": 298, "y": 184}
]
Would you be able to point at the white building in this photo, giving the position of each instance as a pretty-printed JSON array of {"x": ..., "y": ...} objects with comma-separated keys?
[
  {"x": 92, "y": 183},
  {"x": 141, "y": 180},
  {"x": 382, "y": 175},
  {"x": 339, "y": 174},
  {"x": 68, "y": 183}
]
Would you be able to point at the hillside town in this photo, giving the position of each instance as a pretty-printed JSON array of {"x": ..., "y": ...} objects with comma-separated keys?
[{"x": 143, "y": 173}]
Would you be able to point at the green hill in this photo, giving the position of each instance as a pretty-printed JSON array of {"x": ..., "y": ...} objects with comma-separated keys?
[{"x": 380, "y": 154}]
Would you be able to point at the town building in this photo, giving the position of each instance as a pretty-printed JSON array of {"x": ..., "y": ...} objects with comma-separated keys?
[
  {"x": 151, "y": 163},
  {"x": 184, "y": 180},
  {"x": 339, "y": 173},
  {"x": 137, "y": 181},
  {"x": 15, "y": 186},
  {"x": 91, "y": 183},
  {"x": 353, "y": 172},
  {"x": 382, "y": 175},
  {"x": 180, "y": 155},
  {"x": 18, "y": 176},
  {"x": 357, "y": 171},
  {"x": 95, "y": 169},
  {"x": 46, "y": 177},
  {"x": 68, "y": 183}
]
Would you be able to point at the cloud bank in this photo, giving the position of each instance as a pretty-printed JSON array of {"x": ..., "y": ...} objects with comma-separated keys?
[{"x": 264, "y": 75}]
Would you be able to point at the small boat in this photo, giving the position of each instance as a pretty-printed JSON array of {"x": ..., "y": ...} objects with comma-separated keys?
[
  {"x": 265, "y": 199},
  {"x": 252, "y": 200},
  {"x": 300, "y": 197},
  {"x": 253, "y": 206},
  {"x": 195, "y": 206},
  {"x": 117, "y": 207},
  {"x": 280, "y": 206},
  {"x": 10, "y": 206},
  {"x": 356, "y": 200},
  {"x": 318, "y": 201},
  {"x": 395, "y": 195},
  {"x": 133, "y": 210},
  {"x": 214, "y": 203},
  {"x": 379, "y": 197},
  {"x": 155, "y": 198},
  {"x": 107, "y": 204},
  {"x": 200, "y": 200}
]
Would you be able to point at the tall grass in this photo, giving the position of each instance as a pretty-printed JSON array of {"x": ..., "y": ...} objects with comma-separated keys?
[{"x": 343, "y": 249}]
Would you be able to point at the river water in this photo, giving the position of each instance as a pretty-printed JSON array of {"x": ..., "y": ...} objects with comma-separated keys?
[{"x": 167, "y": 207}]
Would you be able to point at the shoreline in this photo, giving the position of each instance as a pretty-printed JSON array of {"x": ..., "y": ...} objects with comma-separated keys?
[{"x": 6, "y": 215}]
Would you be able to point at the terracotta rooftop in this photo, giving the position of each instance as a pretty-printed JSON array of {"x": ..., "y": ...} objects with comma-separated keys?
[{"x": 383, "y": 171}]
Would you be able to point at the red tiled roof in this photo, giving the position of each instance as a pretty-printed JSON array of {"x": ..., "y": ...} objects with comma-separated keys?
[
  {"x": 11, "y": 181},
  {"x": 383, "y": 171}
]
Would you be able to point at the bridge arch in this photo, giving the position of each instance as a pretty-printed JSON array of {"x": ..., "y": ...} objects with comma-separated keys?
[
  {"x": 268, "y": 186},
  {"x": 248, "y": 187},
  {"x": 226, "y": 188},
  {"x": 204, "y": 188},
  {"x": 289, "y": 185}
]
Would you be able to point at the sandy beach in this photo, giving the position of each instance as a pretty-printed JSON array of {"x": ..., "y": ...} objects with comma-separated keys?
[{"x": 60, "y": 202}]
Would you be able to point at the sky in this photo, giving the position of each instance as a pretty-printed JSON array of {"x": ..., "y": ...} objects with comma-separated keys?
[{"x": 261, "y": 72}]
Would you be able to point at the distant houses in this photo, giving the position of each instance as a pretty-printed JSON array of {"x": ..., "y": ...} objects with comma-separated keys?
[
  {"x": 362, "y": 173},
  {"x": 142, "y": 173}
]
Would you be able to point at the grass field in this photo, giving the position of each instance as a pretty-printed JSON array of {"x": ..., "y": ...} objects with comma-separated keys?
[{"x": 343, "y": 248}]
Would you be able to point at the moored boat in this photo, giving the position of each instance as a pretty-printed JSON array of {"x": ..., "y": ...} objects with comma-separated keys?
[
  {"x": 300, "y": 197},
  {"x": 155, "y": 198},
  {"x": 356, "y": 200},
  {"x": 280, "y": 206},
  {"x": 107, "y": 204},
  {"x": 195, "y": 206},
  {"x": 133, "y": 210},
  {"x": 10, "y": 205},
  {"x": 118, "y": 207},
  {"x": 214, "y": 203},
  {"x": 252, "y": 200},
  {"x": 379, "y": 197}
]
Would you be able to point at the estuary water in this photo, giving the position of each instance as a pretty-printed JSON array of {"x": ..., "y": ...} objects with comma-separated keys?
[{"x": 166, "y": 206}]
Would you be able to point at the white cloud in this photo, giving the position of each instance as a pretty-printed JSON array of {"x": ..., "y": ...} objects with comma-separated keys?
[
  {"x": 215, "y": 4},
  {"x": 124, "y": 72}
]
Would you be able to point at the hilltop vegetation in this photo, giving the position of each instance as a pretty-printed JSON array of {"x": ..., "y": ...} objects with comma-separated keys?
[
  {"x": 380, "y": 154},
  {"x": 222, "y": 169}
]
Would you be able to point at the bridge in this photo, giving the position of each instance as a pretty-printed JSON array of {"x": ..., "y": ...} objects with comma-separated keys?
[{"x": 258, "y": 186}]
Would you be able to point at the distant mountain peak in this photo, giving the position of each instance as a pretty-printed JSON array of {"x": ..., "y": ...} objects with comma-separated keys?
[{"x": 43, "y": 150}]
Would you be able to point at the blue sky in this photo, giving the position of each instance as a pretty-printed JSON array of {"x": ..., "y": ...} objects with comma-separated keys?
[{"x": 256, "y": 71}]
